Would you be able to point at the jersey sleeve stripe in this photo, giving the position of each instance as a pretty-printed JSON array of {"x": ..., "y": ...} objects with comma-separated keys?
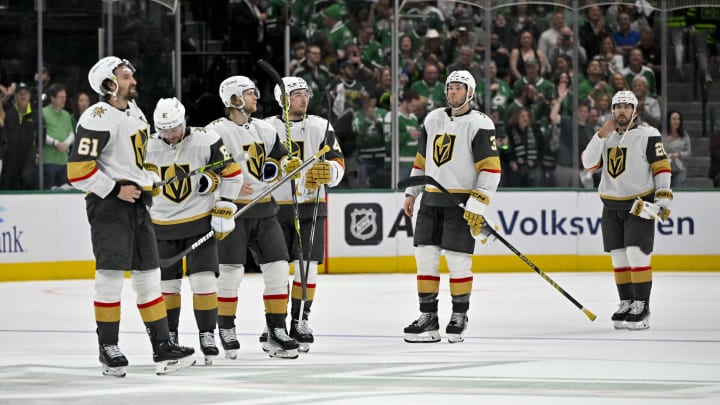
[
  {"x": 660, "y": 166},
  {"x": 79, "y": 171},
  {"x": 489, "y": 164},
  {"x": 419, "y": 162}
]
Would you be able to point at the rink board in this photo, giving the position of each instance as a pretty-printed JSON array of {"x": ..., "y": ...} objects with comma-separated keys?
[{"x": 47, "y": 236}]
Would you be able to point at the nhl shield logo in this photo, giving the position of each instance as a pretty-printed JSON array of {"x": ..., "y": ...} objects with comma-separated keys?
[
  {"x": 616, "y": 161},
  {"x": 363, "y": 224},
  {"x": 443, "y": 146}
]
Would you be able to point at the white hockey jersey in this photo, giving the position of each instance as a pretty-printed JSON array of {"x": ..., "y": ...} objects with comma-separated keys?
[
  {"x": 109, "y": 148},
  {"x": 308, "y": 136},
  {"x": 459, "y": 152},
  {"x": 260, "y": 140},
  {"x": 178, "y": 210},
  {"x": 633, "y": 165}
]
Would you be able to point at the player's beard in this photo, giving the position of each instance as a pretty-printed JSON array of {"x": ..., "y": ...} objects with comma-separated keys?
[
  {"x": 132, "y": 93},
  {"x": 622, "y": 120}
]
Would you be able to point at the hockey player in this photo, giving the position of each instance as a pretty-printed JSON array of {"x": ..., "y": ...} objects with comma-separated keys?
[
  {"x": 309, "y": 133},
  {"x": 457, "y": 148},
  {"x": 257, "y": 229},
  {"x": 107, "y": 163},
  {"x": 634, "y": 164},
  {"x": 185, "y": 209}
]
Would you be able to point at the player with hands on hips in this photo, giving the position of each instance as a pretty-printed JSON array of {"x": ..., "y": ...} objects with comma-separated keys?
[
  {"x": 634, "y": 166},
  {"x": 107, "y": 162},
  {"x": 186, "y": 209},
  {"x": 258, "y": 228},
  {"x": 457, "y": 148},
  {"x": 308, "y": 134}
]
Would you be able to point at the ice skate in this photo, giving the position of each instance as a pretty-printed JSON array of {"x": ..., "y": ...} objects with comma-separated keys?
[
  {"x": 208, "y": 347},
  {"x": 229, "y": 341},
  {"x": 280, "y": 344},
  {"x": 263, "y": 340},
  {"x": 425, "y": 329},
  {"x": 619, "y": 316},
  {"x": 456, "y": 327},
  {"x": 113, "y": 360},
  {"x": 639, "y": 316},
  {"x": 169, "y": 357},
  {"x": 302, "y": 333}
]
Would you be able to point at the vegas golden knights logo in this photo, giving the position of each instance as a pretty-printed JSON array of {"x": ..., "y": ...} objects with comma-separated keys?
[
  {"x": 297, "y": 149},
  {"x": 256, "y": 161},
  {"x": 443, "y": 147},
  {"x": 179, "y": 190},
  {"x": 139, "y": 140},
  {"x": 616, "y": 161}
]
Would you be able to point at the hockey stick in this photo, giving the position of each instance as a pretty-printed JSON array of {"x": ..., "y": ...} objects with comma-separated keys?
[
  {"x": 202, "y": 169},
  {"x": 315, "y": 217},
  {"x": 174, "y": 259},
  {"x": 413, "y": 181},
  {"x": 267, "y": 67}
]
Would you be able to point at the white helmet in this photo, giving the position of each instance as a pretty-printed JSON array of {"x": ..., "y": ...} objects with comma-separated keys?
[
  {"x": 624, "y": 97},
  {"x": 236, "y": 86},
  {"x": 291, "y": 83},
  {"x": 169, "y": 113},
  {"x": 103, "y": 70},
  {"x": 464, "y": 77}
]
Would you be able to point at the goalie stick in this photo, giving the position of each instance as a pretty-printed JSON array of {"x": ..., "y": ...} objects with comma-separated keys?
[
  {"x": 171, "y": 260},
  {"x": 414, "y": 181}
]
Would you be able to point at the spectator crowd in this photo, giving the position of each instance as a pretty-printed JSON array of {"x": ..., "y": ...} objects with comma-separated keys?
[{"x": 342, "y": 50}]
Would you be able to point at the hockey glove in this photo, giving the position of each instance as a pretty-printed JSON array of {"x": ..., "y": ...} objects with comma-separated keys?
[
  {"x": 486, "y": 234},
  {"x": 209, "y": 182},
  {"x": 320, "y": 173},
  {"x": 474, "y": 211},
  {"x": 645, "y": 210},
  {"x": 663, "y": 198},
  {"x": 223, "y": 221},
  {"x": 291, "y": 164}
]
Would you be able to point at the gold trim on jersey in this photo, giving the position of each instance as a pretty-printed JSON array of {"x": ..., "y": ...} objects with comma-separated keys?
[
  {"x": 181, "y": 220},
  {"x": 626, "y": 198},
  {"x": 490, "y": 163},
  {"x": 660, "y": 166},
  {"x": 617, "y": 163},
  {"x": 419, "y": 161},
  {"x": 443, "y": 148},
  {"x": 247, "y": 201},
  {"x": 80, "y": 170},
  {"x": 432, "y": 189},
  {"x": 308, "y": 201}
]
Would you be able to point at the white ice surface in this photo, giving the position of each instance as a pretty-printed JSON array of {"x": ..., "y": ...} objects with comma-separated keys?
[{"x": 526, "y": 344}]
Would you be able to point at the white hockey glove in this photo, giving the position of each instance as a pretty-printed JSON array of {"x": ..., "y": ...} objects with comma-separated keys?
[
  {"x": 645, "y": 210},
  {"x": 320, "y": 173},
  {"x": 209, "y": 182},
  {"x": 475, "y": 211},
  {"x": 222, "y": 221},
  {"x": 663, "y": 198},
  {"x": 289, "y": 165}
]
